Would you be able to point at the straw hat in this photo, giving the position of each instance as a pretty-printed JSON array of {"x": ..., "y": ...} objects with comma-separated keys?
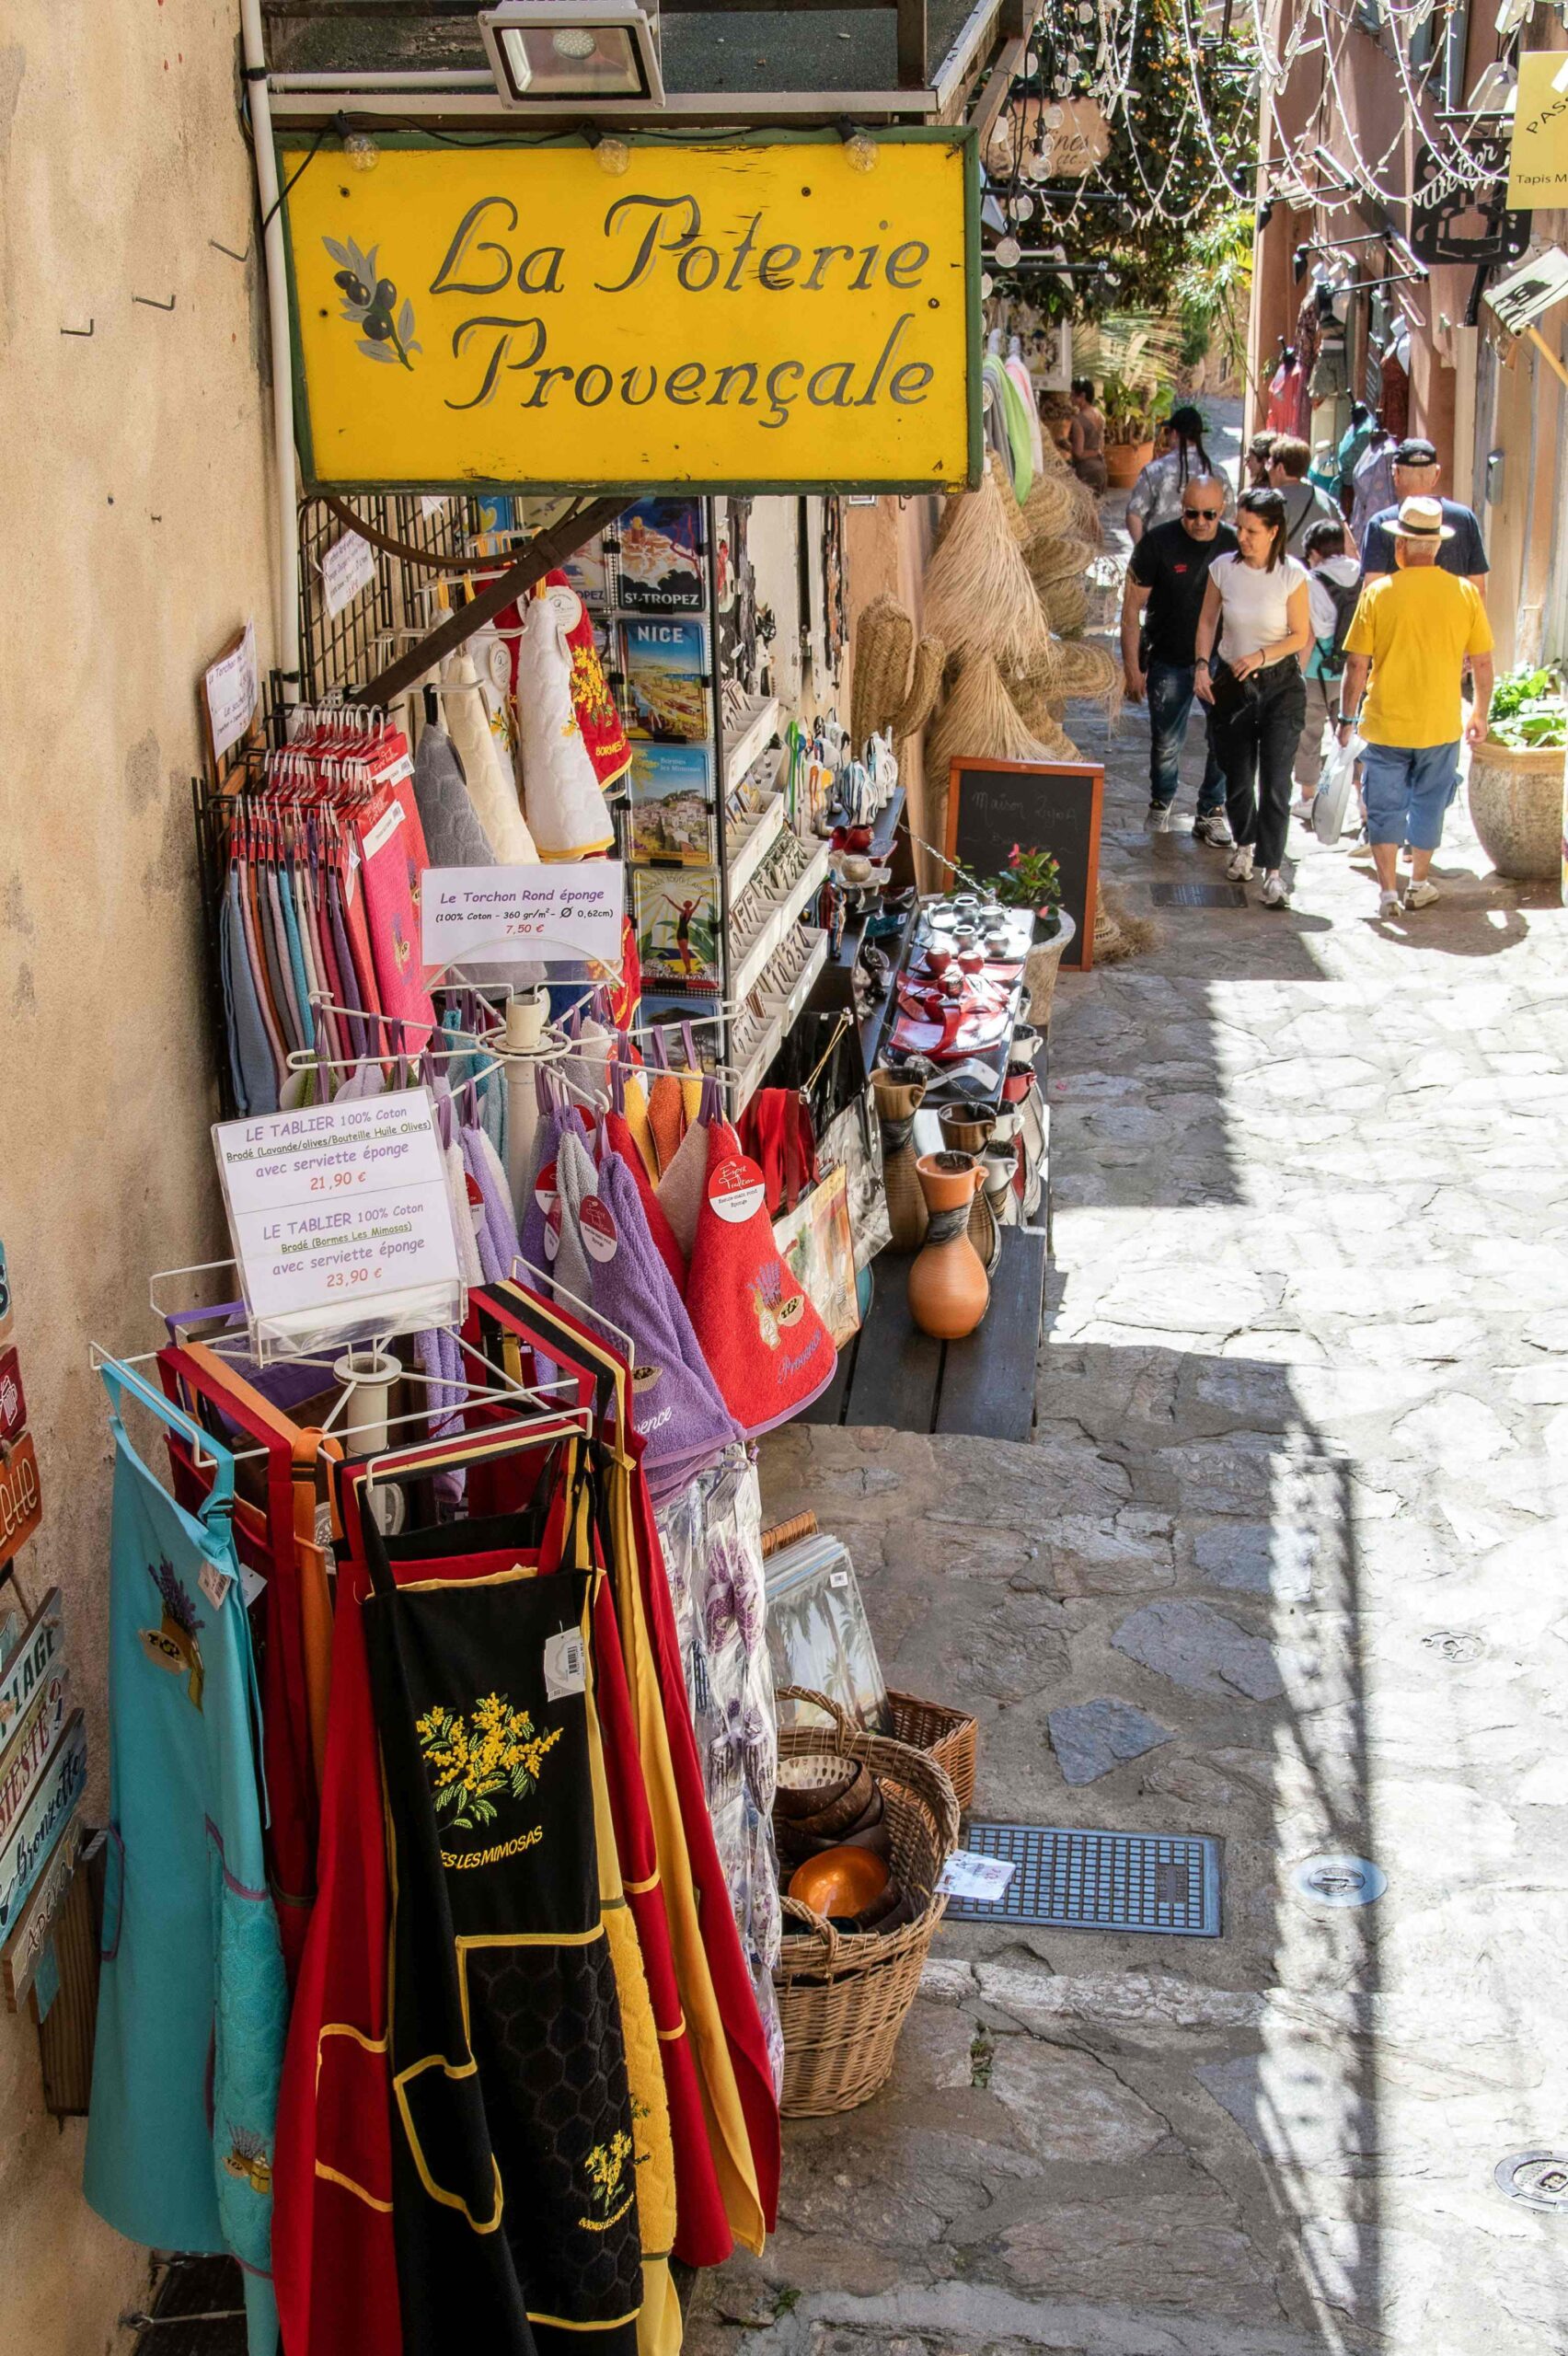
[{"x": 1422, "y": 519}]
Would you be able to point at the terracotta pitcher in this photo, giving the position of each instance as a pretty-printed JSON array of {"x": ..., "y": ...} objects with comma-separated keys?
[
  {"x": 897, "y": 1101},
  {"x": 948, "y": 1289}
]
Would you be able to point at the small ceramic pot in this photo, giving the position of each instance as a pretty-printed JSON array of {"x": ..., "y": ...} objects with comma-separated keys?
[
  {"x": 854, "y": 867},
  {"x": 938, "y": 960},
  {"x": 964, "y": 1131}
]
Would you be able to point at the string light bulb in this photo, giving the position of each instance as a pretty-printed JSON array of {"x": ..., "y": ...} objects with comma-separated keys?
[
  {"x": 861, "y": 151},
  {"x": 1009, "y": 253},
  {"x": 612, "y": 155},
  {"x": 361, "y": 151}
]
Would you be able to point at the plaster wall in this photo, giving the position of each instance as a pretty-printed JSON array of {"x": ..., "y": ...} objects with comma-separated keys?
[{"x": 137, "y": 537}]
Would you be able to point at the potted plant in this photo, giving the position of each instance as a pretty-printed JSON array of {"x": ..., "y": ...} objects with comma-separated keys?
[
  {"x": 1516, "y": 776},
  {"x": 1033, "y": 879},
  {"x": 1132, "y": 411}
]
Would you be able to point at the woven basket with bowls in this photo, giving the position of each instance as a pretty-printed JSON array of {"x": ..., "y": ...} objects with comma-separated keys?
[{"x": 843, "y": 1995}]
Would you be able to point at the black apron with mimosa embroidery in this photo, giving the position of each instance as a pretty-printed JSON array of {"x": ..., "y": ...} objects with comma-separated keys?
[{"x": 514, "y": 2207}]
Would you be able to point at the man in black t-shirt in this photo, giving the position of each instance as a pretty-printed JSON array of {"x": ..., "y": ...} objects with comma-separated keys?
[{"x": 1166, "y": 580}]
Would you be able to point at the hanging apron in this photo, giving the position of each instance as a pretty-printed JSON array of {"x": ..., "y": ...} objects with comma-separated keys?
[
  {"x": 728, "y": 2042},
  {"x": 514, "y": 2202},
  {"x": 192, "y": 1995}
]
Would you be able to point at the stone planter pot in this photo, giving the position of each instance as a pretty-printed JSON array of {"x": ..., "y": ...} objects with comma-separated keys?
[
  {"x": 1040, "y": 967},
  {"x": 1515, "y": 806},
  {"x": 1125, "y": 462}
]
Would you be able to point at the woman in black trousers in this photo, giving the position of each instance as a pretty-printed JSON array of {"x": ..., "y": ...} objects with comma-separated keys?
[{"x": 1256, "y": 605}]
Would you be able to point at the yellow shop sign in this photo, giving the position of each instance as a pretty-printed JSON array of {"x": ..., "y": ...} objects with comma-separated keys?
[
  {"x": 754, "y": 314},
  {"x": 1538, "y": 156}
]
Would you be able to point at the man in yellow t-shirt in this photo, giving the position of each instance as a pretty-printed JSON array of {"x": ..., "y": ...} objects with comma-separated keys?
[{"x": 1414, "y": 628}]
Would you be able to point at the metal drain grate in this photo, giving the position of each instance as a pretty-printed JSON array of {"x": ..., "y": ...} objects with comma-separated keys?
[
  {"x": 1197, "y": 895},
  {"x": 1100, "y": 1881}
]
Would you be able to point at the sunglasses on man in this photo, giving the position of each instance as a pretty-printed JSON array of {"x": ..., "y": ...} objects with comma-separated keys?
[{"x": 1208, "y": 515}]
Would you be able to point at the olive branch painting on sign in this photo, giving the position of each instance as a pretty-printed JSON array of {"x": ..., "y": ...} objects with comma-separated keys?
[{"x": 368, "y": 302}]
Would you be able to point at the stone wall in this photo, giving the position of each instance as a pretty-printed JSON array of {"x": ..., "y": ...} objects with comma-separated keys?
[{"x": 137, "y": 535}]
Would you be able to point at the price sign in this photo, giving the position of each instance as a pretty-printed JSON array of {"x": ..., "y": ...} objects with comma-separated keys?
[
  {"x": 341, "y": 1221},
  {"x": 524, "y": 914}
]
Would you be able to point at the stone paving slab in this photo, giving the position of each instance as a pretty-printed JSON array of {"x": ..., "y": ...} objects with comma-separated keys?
[{"x": 1292, "y": 1515}]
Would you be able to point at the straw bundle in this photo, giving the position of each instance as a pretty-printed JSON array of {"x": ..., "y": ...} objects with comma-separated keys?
[
  {"x": 925, "y": 686},
  {"x": 1051, "y": 507},
  {"x": 1019, "y": 527},
  {"x": 980, "y": 720},
  {"x": 1054, "y": 559},
  {"x": 1043, "y": 720},
  {"x": 1087, "y": 521},
  {"x": 883, "y": 638},
  {"x": 1118, "y": 933},
  {"x": 979, "y": 597},
  {"x": 1066, "y": 602}
]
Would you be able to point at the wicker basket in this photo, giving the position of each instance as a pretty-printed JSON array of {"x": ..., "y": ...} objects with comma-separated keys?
[
  {"x": 843, "y": 1995},
  {"x": 947, "y": 1735}
]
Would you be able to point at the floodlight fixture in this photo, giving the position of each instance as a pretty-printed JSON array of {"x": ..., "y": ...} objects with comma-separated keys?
[{"x": 556, "y": 52}]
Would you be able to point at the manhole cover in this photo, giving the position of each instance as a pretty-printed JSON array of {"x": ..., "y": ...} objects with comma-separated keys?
[
  {"x": 1100, "y": 1881},
  {"x": 1339, "y": 1881},
  {"x": 1454, "y": 1645},
  {"x": 1537, "y": 2178},
  {"x": 1197, "y": 895}
]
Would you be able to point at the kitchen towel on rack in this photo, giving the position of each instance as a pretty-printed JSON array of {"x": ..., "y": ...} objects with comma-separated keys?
[{"x": 192, "y": 1999}]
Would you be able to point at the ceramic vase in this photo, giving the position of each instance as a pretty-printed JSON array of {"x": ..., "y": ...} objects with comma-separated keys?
[
  {"x": 948, "y": 1289},
  {"x": 897, "y": 1101}
]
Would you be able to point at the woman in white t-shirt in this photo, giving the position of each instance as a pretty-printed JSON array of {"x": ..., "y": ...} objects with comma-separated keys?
[{"x": 1257, "y": 607}]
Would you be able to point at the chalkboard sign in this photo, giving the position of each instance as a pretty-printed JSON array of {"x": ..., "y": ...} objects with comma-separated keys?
[{"x": 1049, "y": 805}]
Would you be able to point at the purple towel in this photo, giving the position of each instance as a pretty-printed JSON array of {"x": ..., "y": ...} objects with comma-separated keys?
[{"x": 676, "y": 1406}]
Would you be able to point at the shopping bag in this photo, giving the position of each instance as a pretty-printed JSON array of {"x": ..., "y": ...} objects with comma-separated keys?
[{"x": 1334, "y": 785}]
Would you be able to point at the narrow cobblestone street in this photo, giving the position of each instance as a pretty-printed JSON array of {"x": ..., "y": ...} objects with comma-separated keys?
[{"x": 1281, "y": 1564}]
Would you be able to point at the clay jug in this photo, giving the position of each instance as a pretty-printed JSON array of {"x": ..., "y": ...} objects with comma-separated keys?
[
  {"x": 898, "y": 1101},
  {"x": 948, "y": 1289}
]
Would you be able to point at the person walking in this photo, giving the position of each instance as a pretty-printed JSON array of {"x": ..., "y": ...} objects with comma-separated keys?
[
  {"x": 1415, "y": 628},
  {"x": 1086, "y": 436},
  {"x": 1333, "y": 584},
  {"x": 1160, "y": 605},
  {"x": 1255, "y": 459},
  {"x": 1256, "y": 608},
  {"x": 1416, "y": 475},
  {"x": 1156, "y": 497},
  {"x": 1290, "y": 462}
]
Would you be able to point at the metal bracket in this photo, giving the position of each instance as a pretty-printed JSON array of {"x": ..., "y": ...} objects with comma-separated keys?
[
  {"x": 546, "y": 550},
  {"x": 149, "y": 303},
  {"x": 81, "y": 331}
]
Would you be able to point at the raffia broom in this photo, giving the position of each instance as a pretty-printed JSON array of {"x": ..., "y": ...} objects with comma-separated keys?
[
  {"x": 1118, "y": 933},
  {"x": 979, "y": 597},
  {"x": 925, "y": 686}
]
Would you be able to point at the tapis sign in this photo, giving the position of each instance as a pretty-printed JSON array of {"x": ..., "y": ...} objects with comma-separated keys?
[
  {"x": 1538, "y": 154},
  {"x": 752, "y": 314}
]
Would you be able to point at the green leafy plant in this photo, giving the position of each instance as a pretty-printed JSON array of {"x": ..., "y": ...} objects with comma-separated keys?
[
  {"x": 1530, "y": 710},
  {"x": 1133, "y": 409},
  {"x": 1213, "y": 290},
  {"x": 1031, "y": 879}
]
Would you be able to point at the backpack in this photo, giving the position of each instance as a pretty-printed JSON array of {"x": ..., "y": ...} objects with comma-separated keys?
[{"x": 1344, "y": 596}]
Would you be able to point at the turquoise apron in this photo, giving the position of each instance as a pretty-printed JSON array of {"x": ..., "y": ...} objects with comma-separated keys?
[{"x": 193, "y": 2002}]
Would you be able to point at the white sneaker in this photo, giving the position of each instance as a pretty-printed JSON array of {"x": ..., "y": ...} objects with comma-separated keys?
[
  {"x": 1239, "y": 866},
  {"x": 1389, "y": 905},
  {"x": 1302, "y": 809},
  {"x": 1157, "y": 819},
  {"x": 1421, "y": 895},
  {"x": 1275, "y": 895},
  {"x": 1213, "y": 829}
]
